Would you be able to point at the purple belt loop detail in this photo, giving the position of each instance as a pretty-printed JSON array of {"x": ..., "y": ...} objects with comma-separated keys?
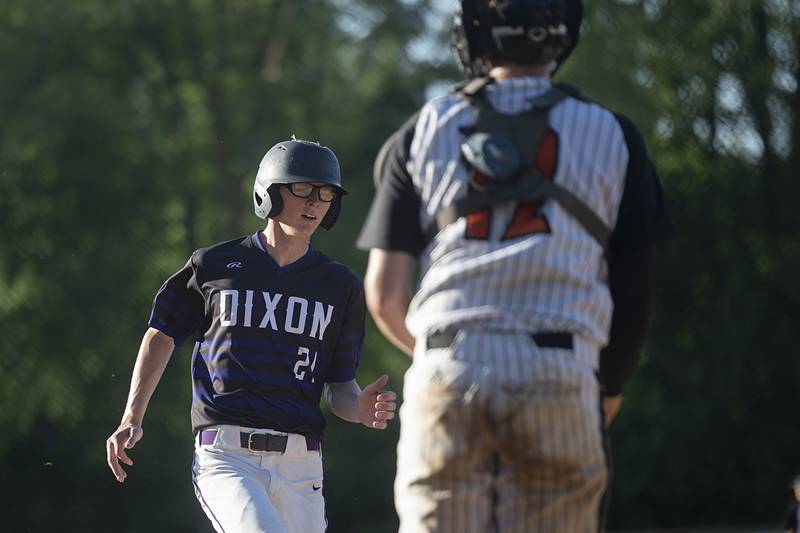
[{"x": 207, "y": 436}]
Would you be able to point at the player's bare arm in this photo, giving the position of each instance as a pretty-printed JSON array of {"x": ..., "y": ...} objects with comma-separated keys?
[
  {"x": 611, "y": 405},
  {"x": 154, "y": 353},
  {"x": 387, "y": 286},
  {"x": 372, "y": 407}
]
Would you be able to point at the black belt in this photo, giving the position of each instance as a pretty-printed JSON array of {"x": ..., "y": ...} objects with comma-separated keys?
[
  {"x": 259, "y": 442},
  {"x": 544, "y": 339}
]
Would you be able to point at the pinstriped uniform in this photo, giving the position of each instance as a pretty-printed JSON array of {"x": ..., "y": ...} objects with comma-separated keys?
[
  {"x": 497, "y": 433},
  {"x": 546, "y": 281}
]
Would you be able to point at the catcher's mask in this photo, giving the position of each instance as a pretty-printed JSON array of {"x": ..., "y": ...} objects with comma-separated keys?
[
  {"x": 296, "y": 161},
  {"x": 525, "y": 32}
]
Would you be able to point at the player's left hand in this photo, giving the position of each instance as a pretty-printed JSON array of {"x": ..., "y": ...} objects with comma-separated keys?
[
  {"x": 376, "y": 406},
  {"x": 124, "y": 438}
]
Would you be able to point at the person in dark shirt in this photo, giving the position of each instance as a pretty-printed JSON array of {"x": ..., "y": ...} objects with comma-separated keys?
[{"x": 275, "y": 323}]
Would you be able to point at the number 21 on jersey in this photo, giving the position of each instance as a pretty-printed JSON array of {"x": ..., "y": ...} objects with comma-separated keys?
[{"x": 306, "y": 363}]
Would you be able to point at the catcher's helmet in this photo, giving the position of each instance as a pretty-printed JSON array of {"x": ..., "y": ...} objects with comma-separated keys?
[
  {"x": 526, "y": 32},
  {"x": 296, "y": 161}
]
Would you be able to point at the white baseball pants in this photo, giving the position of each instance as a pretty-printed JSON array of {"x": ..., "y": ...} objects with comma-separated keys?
[
  {"x": 500, "y": 435},
  {"x": 248, "y": 492}
]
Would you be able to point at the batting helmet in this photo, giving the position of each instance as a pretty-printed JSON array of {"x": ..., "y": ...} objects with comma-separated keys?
[
  {"x": 526, "y": 32},
  {"x": 296, "y": 161}
]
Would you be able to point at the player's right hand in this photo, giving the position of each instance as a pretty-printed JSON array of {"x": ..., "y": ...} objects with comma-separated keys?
[
  {"x": 125, "y": 437},
  {"x": 611, "y": 405}
]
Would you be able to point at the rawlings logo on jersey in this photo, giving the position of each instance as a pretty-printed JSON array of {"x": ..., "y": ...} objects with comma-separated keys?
[{"x": 294, "y": 309}]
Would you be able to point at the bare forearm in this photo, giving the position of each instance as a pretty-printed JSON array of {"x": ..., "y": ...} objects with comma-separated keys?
[
  {"x": 154, "y": 353},
  {"x": 343, "y": 400},
  {"x": 372, "y": 407},
  {"x": 388, "y": 290},
  {"x": 391, "y": 320}
]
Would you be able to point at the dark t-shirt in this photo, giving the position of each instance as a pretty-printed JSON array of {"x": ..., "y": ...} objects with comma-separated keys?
[{"x": 268, "y": 338}]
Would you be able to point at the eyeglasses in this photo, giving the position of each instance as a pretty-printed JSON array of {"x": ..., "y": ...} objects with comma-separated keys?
[{"x": 325, "y": 193}]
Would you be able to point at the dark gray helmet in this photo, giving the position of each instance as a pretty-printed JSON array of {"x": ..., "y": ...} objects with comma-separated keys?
[
  {"x": 520, "y": 31},
  {"x": 296, "y": 161}
]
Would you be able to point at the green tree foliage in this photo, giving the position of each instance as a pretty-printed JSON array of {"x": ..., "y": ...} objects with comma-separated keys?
[
  {"x": 708, "y": 434},
  {"x": 130, "y": 135}
]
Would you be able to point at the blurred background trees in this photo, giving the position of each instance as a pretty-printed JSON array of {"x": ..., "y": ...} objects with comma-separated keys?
[{"x": 130, "y": 133}]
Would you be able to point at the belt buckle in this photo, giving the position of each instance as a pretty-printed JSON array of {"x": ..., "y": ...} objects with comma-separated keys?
[{"x": 250, "y": 440}]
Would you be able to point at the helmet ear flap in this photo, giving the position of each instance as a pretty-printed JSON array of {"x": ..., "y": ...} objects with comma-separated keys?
[
  {"x": 262, "y": 204},
  {"x": 275, "y": 200},
  {"x": 333, "y": 213}
]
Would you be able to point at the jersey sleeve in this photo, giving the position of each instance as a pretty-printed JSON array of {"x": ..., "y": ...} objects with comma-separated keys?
[
  {"x": 351, "y": 339},
  {"x": 179, "y": 306},
  {"x": 642, "y": 221},
  {"x": 393, "y": 221},
  {"x": 643, "y": 218}
]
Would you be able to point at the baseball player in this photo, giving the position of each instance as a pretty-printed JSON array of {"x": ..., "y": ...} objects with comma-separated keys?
[
  {"x": 531, "y": 212},
  {"x": 275, "y": 322}
]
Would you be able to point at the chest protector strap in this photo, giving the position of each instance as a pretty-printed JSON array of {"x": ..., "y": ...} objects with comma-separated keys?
[{"x": 501, "y": 149}]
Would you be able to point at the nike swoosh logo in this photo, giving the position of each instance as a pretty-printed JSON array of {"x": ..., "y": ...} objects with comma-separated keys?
[{"x": 316, "y": 487}]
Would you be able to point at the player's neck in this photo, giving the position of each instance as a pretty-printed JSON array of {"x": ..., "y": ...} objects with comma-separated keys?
[
  {"x": 284, "y": 248},
  {"x": 504, "y": 72}
]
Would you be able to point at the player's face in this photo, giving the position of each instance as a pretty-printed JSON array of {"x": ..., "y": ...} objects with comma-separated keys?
[
  {"x": 797, "y": 491},
  {"x": 304, "y": 206}
]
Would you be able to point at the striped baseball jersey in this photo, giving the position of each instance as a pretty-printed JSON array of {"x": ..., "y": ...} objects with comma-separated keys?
[
  {"x": 268, "y": 337},
  {"x": 519, "y": 266}
]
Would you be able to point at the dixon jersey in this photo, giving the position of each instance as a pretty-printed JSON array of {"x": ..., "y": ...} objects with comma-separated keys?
[{"x": 268, "y": 338}]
